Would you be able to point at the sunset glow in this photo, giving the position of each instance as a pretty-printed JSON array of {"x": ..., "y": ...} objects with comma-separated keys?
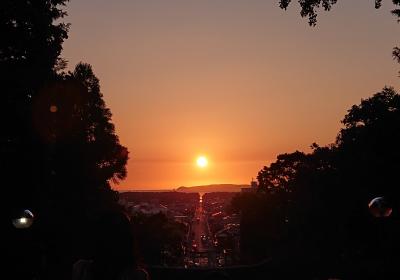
[
  {"x": 202, "y": 162},
  {"x": 242, "y": 80},
  {"x": 200, "y": 139}
]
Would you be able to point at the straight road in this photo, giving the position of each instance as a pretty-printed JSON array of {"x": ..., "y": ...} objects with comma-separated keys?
[{"x": 199, "y": 228}]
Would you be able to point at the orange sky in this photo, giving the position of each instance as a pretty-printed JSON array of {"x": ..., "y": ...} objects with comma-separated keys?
[{"x": 239, "y": 81}]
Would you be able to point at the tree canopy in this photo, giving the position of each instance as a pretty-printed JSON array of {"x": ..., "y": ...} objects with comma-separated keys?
[
  {"x": 53, "y": 118},
  {"x": 316, "y": 203},
  {"x": 309, "y": 7},
  {"x": 32, "y": 37},
  {"x": 58, "y": 147}
]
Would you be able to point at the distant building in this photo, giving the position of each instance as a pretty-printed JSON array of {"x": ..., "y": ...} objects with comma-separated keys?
[
  {"x": 228, "y": 239},
  {"x": 253, "y": 187},
  {"x": 253, "y": 184},
  {"x": 148, "y": 208}
]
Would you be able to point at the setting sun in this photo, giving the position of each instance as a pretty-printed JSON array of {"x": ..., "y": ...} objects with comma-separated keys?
[{"x": 202, "y": 161}]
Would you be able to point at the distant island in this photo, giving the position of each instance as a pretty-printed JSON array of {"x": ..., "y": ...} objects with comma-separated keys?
[{"x": 213, "y": 188}]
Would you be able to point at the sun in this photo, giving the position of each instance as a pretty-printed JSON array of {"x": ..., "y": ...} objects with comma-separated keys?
[{"x": 202, "y": 161}]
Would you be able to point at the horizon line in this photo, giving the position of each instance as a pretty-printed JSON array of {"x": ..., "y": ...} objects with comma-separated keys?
[{"x": 174, "y": 188}]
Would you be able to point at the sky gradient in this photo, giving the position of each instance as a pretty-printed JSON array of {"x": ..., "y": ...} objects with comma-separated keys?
[{"x": 237, "y": 81}]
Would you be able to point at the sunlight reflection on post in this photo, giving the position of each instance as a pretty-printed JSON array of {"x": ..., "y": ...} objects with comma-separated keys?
[{"x": 379, "y": 207}]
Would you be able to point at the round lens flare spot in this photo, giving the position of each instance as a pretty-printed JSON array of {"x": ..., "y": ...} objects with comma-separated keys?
[
  {"x": 53, "y": 109},
  {"x": 202, "y": 161}
]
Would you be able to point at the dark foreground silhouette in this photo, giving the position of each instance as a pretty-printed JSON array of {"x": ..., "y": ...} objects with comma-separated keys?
[
  {"x": 59, "y": 154},
  {"x": 113, "y": 248}
]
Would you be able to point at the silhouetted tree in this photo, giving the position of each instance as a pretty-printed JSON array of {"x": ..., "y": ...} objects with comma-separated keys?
[
  {"x": 58, "y": 147},
  {"x": 31, "y": 42},
  {"x": 309, "y": 7},
  {"x": 280, "y": 174},
  {"x": 368, "y": 144},
  {"x": 29, "y": 58},
  {"x": 83, "y": 156},
  {"x": 317, "y": 203},
  {"x": 159, "y": 239}
]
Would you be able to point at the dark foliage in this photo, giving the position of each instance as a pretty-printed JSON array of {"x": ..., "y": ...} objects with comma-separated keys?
[
  {"x": 314, "y": 207},
  {"x": 58, "y": 148},
  {"x": 159, "y": 239},
  {"x": 29, "y": 53},
  {"x": 309, "y": 7}
]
